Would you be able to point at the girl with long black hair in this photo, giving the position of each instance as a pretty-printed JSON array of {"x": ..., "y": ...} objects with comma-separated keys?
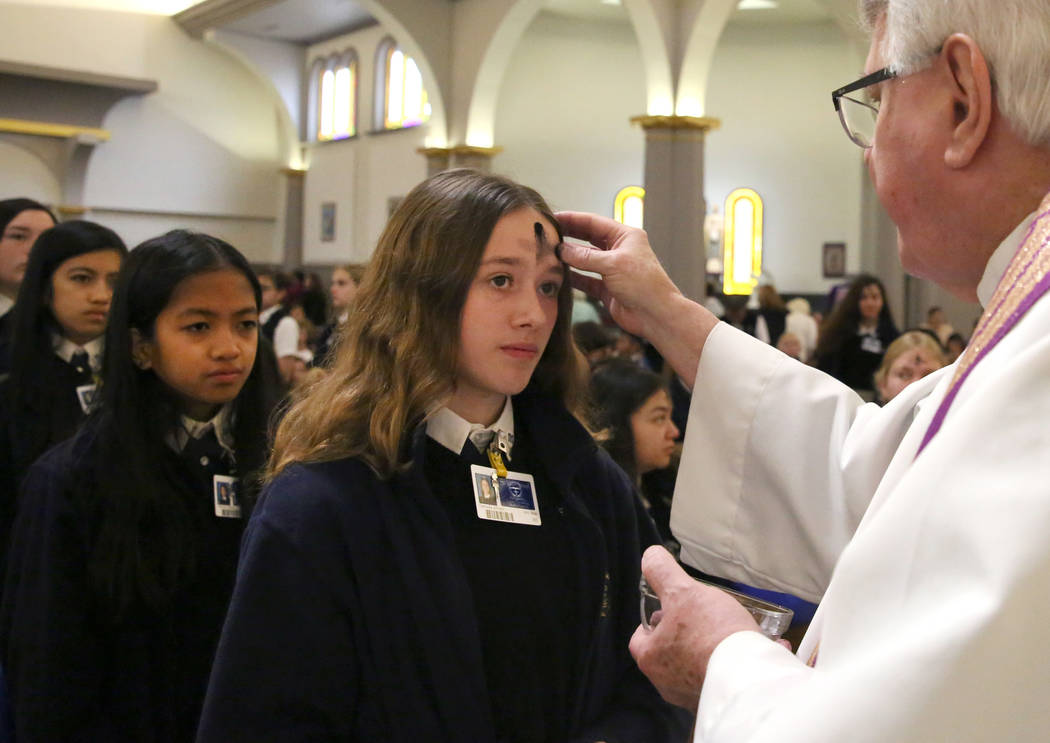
[
  {"x": 125, "y": 545},
  {"x": 56, "y": 346}
]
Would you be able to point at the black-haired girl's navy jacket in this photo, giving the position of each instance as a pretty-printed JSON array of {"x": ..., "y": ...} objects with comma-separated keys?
[
  {"x": 352, "y": 618},
  {"x": 75, "y": 674}
]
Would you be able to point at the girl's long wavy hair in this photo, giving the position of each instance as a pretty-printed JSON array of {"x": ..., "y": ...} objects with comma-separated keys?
[{"x": 397, "y": 358}]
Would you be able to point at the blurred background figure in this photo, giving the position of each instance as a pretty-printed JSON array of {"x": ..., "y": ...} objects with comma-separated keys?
[
  {"x": 938, "y": 323},
  {"x": 342, "y": 290},
  {"x": 595, "y": 341},
  {"x": 773, "y": 311},
  {"x": 909, "y": 358},
  {"x": 21, "y": 221},
  {"x": 801, "y": 323},
  {"x": 631, "y": 410},
  {"x": 856, "y": 334},
  {"x": 583, "y": 309},
  {"x": 790, "y": 344},
  {"x": 953, "y": 348}
]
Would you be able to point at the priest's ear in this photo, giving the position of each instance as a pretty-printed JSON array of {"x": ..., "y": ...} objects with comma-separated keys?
[
  {"x": 972, "y": 98},
  {"x": 141, "y": 350}
]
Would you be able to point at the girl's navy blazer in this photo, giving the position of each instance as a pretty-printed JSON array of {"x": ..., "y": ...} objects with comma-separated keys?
[{"x": 353, "y": 620}]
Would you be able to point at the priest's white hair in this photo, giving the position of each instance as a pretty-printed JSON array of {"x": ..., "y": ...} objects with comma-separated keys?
[{"x": 1014, "y": 36}]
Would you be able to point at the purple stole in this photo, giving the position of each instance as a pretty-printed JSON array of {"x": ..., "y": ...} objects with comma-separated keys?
[{"x": 1026, "y": 279}]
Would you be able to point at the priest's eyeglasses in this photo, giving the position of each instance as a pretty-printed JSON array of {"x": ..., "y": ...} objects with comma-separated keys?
[{"x": 859, "y": 112}]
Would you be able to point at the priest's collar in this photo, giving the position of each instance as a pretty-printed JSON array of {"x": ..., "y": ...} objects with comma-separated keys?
[
  {"x": 451, "y": 431},
  {"x": 996, "y": 267}
]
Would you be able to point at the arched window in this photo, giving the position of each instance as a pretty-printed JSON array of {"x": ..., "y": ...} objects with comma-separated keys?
[
  {"x": 629, "y": 207},
  {"x": 335, "y": 99},
  {"x": 742, "y": 247},
  {"x": 404, "y": 101}
]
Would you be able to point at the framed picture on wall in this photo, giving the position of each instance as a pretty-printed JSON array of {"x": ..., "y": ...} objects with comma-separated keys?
[
  {"x": 328, "y": 221},
  {"x": 834, "y": 264}
]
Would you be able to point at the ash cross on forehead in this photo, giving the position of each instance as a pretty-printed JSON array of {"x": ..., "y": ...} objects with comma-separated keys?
[{"x": 541, "y": 239}]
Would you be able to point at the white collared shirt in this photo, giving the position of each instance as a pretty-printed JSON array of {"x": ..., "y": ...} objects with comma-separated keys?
[
  {"x": 65, "y": 348},
  {"x": 285, "y": 335},
  {"x": 189, "y": 428},
  {"x": 451, "y": 431},
  {"x": 6, "y": 303}
]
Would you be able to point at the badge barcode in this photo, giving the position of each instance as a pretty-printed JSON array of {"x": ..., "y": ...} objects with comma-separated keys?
[{"x": 498, "y": 515}]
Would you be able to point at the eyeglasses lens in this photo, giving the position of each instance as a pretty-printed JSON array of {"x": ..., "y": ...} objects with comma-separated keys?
[{"x": 859, "y": 120}]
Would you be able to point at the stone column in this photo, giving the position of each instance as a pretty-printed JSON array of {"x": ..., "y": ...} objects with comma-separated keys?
[
  {"x": 674, "y": 196},
  {"x": 460, "y": 156}
]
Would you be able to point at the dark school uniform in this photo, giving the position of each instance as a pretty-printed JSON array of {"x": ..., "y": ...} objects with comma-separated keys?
[
  {"x": 34, "y": 420},
  {"x": 72, "y": 672},
  {"x": 381, "y": 610}
]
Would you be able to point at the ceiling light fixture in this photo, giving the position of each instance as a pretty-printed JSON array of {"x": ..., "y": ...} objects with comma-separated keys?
[{"x": 757, "y": 4}]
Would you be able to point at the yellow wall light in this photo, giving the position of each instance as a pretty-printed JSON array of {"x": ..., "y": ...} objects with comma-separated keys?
[
  {"x": 629, "y": 206},
  {"x": 742, "y": 242}
]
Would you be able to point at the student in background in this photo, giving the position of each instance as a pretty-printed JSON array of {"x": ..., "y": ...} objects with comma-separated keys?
[
  {"x": 856, "y": 334},
  {"x": 909, "y": 358},
  {"x": 631, "y": 409},
  {"x": 56, "y": 347},
  {"x": 21, "y": 222},
  {"x": 276, "y": 323},
  {"x": 343, "y": 289},
  {"x": 381, "y": 596},
  {"x": 125, "y": 544}
]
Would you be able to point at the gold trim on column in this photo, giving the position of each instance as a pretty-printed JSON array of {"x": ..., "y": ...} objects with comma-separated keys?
[
  {"x": 461, "y": 149},
  {"x": 69, "y": 210},
  {"x": 300, "y": 172},
  {"x": 700, "y": 123},
  {"x": 47, "y": 129}
]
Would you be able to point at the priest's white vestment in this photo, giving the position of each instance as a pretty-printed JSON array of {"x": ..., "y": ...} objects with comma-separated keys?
[{"x": 932, "y": 571}]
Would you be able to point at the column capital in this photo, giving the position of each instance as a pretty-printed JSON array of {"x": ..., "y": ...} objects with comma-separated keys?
[
  {"x": 695, "y": 123},
  {"x": 458, "y": 156},
  {"x": 460, "y": 150}
]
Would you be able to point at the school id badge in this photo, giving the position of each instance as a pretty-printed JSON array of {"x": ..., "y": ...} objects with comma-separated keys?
[
  {"x": 87, "y": 395},
  {"x": 227, "y": 500},
  {"x": 511, "y": 499}
]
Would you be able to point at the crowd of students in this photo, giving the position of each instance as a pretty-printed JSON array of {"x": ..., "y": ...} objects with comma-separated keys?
[
  {"x": 853, "y": 341},
  {"x": 335, "y": 563},
  {"x": 400, "y": 577}
]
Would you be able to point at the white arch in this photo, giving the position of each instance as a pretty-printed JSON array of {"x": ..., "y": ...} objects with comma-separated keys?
[
  {"x": 654, "y": 29},
  {"x": 481, "y": 112},
  {"x": 289, "y": 151},
  {"x": 706, "y": 29},
  {"x": 389, "y": 14}
]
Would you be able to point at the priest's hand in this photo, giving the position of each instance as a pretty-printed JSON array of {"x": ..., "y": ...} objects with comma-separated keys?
[
  {"x": 692, "y": 620},
  {"x": 639, "y": 294},
  {"x": 633, "y": 282}
]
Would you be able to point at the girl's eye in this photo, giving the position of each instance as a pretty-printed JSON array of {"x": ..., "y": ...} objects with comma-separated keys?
[
  {"x": 80, "y": 278},
  {"x": 249, "y": 324},
  {"x": 197, "y": 327},
  {"x": 550, "y": 288},
  {"x": 500, "y": 281}
]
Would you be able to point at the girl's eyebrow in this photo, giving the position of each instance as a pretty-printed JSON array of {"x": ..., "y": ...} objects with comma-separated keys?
[{"x": 247, "y": 310}]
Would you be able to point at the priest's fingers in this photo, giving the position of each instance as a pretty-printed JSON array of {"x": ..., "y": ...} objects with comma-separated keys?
[{"x": 663, "y": 572}]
